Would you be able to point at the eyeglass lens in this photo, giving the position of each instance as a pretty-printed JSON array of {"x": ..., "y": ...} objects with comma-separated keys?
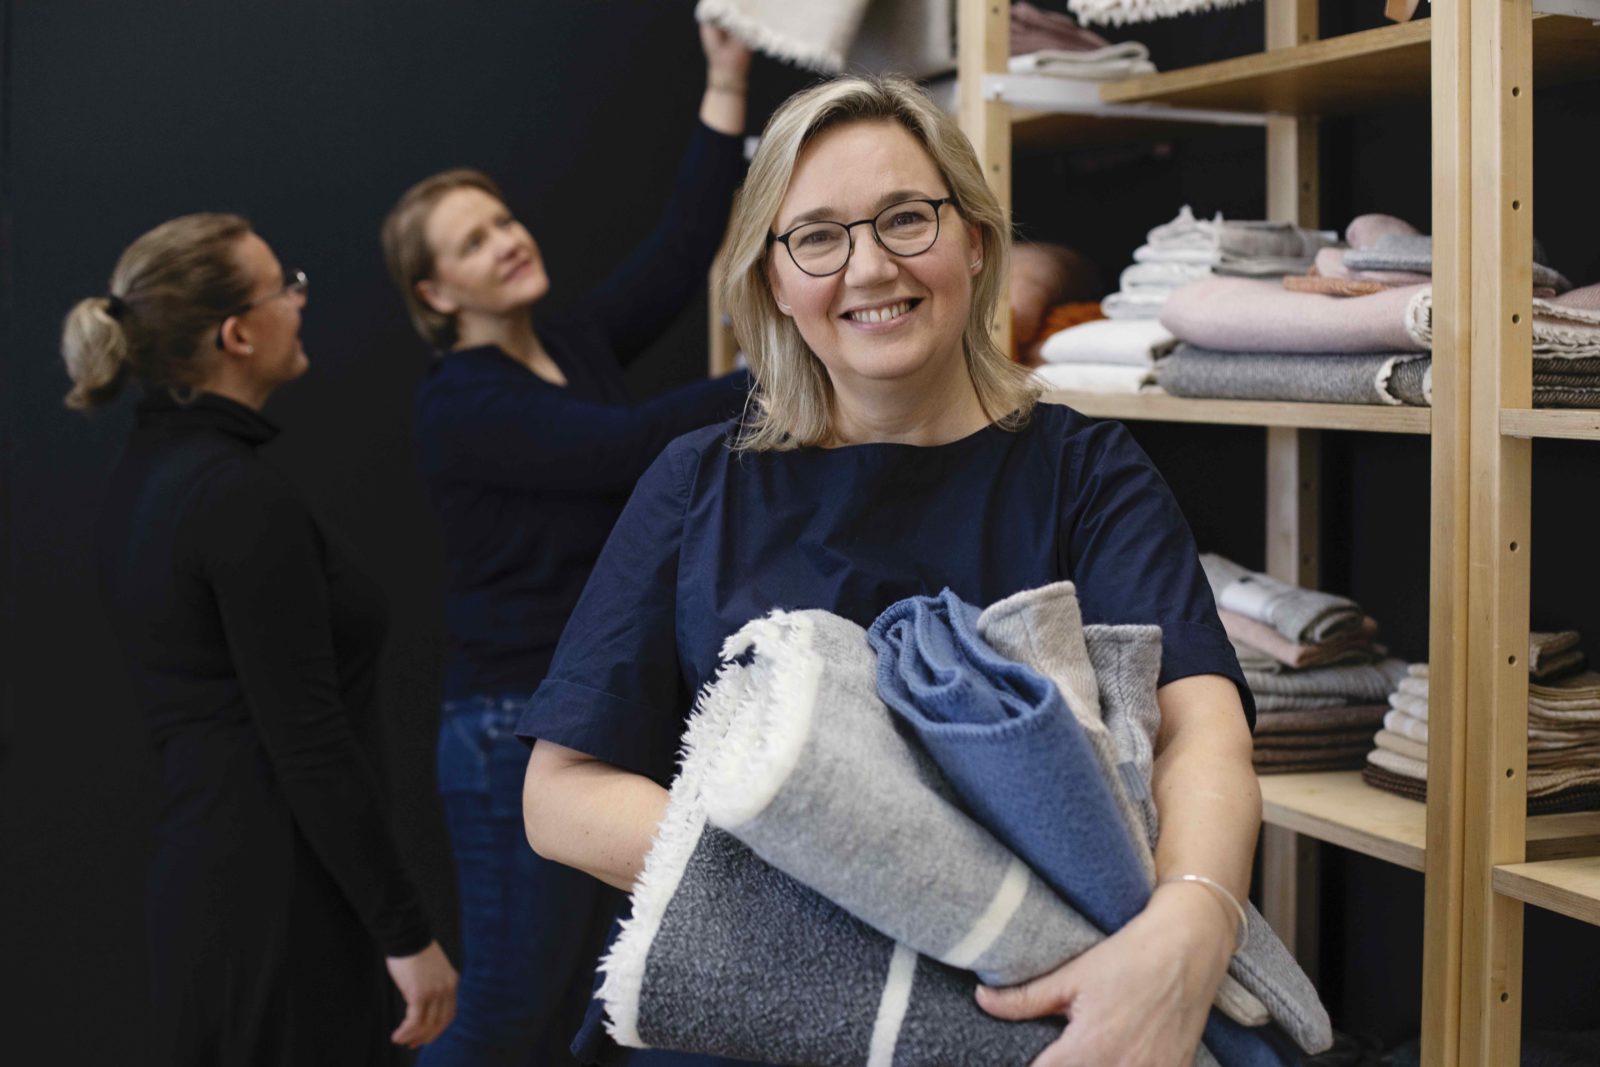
[{"x": 906, "y": 229}]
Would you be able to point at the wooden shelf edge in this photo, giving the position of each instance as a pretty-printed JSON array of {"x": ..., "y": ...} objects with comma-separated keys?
[
  {"x": 1568, "y": 886},
  {"x": 1577, "y": 424},
  {"x": 1158, "y": 407},
  {"x": 1341, "y": 809}
]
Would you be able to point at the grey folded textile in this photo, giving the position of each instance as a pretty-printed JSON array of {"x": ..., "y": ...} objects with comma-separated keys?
[
  {"x": 1414, "y": 252},
  {"x": 1359, "y": 737},
  {"x": 1119, "y": 688},
  {"x": 1341, "y": 378},
  {"x": 1283, "y": 702},
  {"x": 1566, "y": 327},
  {"x": 1305, "y": 616},
  {"x": 723, "y": 954},
  {"x": 1359, "y": 683},
  {"x": 813, "y": 776}
]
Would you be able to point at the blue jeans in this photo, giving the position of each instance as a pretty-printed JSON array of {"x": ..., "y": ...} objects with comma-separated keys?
[{"x": 531, "y": 930}]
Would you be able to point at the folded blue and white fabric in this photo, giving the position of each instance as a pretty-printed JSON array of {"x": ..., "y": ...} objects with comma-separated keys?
[{"x": 1020, "y": 756}]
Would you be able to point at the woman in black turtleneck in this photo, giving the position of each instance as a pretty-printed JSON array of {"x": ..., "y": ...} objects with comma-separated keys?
[{"x": 252, "y": 642}]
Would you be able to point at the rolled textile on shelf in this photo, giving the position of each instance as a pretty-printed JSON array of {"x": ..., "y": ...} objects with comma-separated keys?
[
  {"x": 1126, "y": 343},
  {"x": 1250, "y": 315},
  {"x": 1111, "y": 63},
  {"x": 1101, "y": 378},
  {"x": 1414, "y": 253},
  {"x": 1566, "y": 326},
  {"x": 1292, "y": 654},
  {"x": 1306, "y": 616},
  {"x": 1354, "y": 378}
]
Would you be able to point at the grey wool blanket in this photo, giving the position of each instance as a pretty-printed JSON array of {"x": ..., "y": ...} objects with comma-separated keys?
[
  {"x": 1414, "y": 252},
  {"x": 1304, "y": 616},
  {"x": 724, "y": 954},
  {"x": 1339, "y": 378}
]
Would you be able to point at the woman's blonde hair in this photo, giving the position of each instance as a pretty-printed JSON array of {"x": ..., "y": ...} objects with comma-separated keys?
[
  {"x": 406, "y": 251},
  {"x": 794, "y": 404},
  {"x": 170, "y": 289}
]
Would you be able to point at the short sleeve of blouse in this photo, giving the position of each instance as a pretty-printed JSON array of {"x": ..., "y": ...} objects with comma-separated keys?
[
  {"x": 615, "y": 690},
  {"x": 1130, "y": 553}
]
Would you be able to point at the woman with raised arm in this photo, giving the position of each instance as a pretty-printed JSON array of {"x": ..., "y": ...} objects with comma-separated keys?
[
  {"x": 530, "y": 445},
  {"x": 252, "y": 638}
]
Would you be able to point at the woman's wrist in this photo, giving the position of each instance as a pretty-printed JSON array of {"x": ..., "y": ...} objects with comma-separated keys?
[
  {"x": 1206, "y": 925},
  {"x": 726, "y": 83}
]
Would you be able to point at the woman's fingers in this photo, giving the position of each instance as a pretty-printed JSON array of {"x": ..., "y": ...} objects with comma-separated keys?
[
  {"x": 1030, "y": 1000},
  {"x": 410, "y": 1027}
]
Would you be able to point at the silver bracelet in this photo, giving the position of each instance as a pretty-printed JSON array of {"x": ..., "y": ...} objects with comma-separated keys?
[{"x": 1222, "y": 891}]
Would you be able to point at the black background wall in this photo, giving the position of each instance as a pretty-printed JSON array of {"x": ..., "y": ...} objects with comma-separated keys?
[{"x": 310, "y": 117}]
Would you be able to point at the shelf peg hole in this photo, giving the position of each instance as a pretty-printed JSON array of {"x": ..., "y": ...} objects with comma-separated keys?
[
  {"x": 1516, "y": 205},
  {"x": 1510, "y": 773},
  {"x": 1516, "y": 90},
  {"x": 1515, "y": 319},
  {"x": 1511, "y": 660},
  {"x": 1513, "y": 546},
  {"x": 1504, "y": 997}
]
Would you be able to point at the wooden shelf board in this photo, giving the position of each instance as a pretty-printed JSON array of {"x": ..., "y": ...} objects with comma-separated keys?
[
  {"x": 1568, "y": 886},
  {"x": 1574, "y": 423},
  {"x": 1158, "y": 407},
  {"x": 1359, "y": 72},
  {"x": 1341, "y": 809},
  {"x": 1037, "y": 130}
]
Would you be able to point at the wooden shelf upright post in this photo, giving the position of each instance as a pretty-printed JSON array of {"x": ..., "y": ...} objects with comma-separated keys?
[
  {"x": 983, "y": 44},
  {"x": 1291, "y": 863},
  {"x": 1495, "y": 800}
]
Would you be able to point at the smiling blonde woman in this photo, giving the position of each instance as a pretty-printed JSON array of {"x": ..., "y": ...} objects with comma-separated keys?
[{"x": 896, "y": 452}]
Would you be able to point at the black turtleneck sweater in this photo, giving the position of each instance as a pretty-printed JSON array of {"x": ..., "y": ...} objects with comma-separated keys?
[{"x": 252, "y": 642}]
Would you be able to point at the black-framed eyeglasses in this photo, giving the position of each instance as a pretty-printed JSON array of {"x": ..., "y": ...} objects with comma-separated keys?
[
  {"x": 296, "y": 286},
  {"x": 906, "y": 229}
]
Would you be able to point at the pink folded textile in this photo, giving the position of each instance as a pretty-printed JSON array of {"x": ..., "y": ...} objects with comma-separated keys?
[
  {"x": 1251, "y": 315},
  {"x": 1364, "y": 230},
  {"x": 1033, "y": 30},
  {"x": 1263, "y": 638}
]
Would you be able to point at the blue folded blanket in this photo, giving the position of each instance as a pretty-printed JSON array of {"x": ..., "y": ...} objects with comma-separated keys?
[{"x": 1011, "y": 748}]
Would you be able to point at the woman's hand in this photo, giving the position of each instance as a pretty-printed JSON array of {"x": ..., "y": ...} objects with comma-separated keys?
[
  {"x": 727, "y": 57},
  {"x": 428, "y": 984},
  {"x": 1139, "y": 997}
]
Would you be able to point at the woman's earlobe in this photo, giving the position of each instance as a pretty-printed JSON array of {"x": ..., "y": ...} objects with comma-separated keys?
[{"x": 429, "y": 294}]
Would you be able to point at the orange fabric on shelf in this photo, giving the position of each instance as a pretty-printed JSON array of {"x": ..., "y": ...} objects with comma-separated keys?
[{"x": 1025, "y": 350}]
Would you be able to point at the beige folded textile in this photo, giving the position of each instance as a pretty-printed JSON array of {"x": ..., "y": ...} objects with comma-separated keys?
[
  {"x": 1251, "y": 315},
  {"x": 1100, "y": 378},
  {"x": 1542, "y": 645},
  {"x": 1264, "y": 638},
  {"x": 1559, "y": 665},
  {"x": 1401, "y": 744},
  {"x": 1566, "y": 326},
  {"x": 1395, "y": 763},
  {"x": 1411, "y": 704},
  {"x": 1405, "y": 725},
  {"x": 1580, "y": 798},
  {"x": 1365, "y": 717},
  {"x": 1542, "y": 781}
]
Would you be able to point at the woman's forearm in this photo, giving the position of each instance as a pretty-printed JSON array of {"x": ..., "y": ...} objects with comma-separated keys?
[
  {"x": 588, "y": 814},
  {"x": 1205, "y": 787}
]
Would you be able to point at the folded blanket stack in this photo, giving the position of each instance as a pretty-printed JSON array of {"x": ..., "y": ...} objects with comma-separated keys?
[
  {"x": 784, "y": 911},
  {"x": 1188, "y": 249},
  {"x": 1563, "y": 730},
  {"x": 1311, "y": 660},
  {"x": 1105, "y": 356},
  {"x": 1049, "y": 42},
  {"x": 1357, "y": 329}
]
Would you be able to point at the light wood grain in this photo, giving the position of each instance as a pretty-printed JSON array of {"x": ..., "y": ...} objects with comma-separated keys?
[
  {"x": 1158, "y": 407},
  {"x": 983, "y": 39},
  {"x": 1373, "y": 70},
  {"x": 1576, "y": 424},
  {"x": 1341, "y": 809},
  {"x": 1569, "y": 886}
]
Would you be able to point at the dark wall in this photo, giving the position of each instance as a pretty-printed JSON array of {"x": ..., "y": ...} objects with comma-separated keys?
[{"x": 310, "y": 117}]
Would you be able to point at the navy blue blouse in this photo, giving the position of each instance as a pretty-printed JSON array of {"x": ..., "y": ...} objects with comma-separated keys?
[
  {"x": 713, "y": 538},
  {"x": 527, "y": 477}
]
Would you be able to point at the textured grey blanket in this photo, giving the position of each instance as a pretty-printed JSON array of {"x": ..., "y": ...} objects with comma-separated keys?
[
  {"x": 1353, "y": 378},
  {"x": 1306, "y": 616},
  {"x": 724, "y": 954},
  {"x": 1414, "y": 252}
]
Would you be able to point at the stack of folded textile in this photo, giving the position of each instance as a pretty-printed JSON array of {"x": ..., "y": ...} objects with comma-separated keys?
[
  {"x": 1318, "y": 676},
  {"x": 1104, "y": 356},
  {"x": 1563, "y": 730},
  {"x": 1049, "y": 42},
  {"x": 848, "y": 848},
  {"x": 1357, "y": 329},
  {"x": 1188, "y": 249}
]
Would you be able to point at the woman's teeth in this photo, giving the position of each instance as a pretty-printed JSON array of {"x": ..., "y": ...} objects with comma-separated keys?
[{"x": 884, "y": 314}]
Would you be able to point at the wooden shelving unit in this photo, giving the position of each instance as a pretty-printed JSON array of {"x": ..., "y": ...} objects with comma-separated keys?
[{"x": 1475, "y": 64}]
